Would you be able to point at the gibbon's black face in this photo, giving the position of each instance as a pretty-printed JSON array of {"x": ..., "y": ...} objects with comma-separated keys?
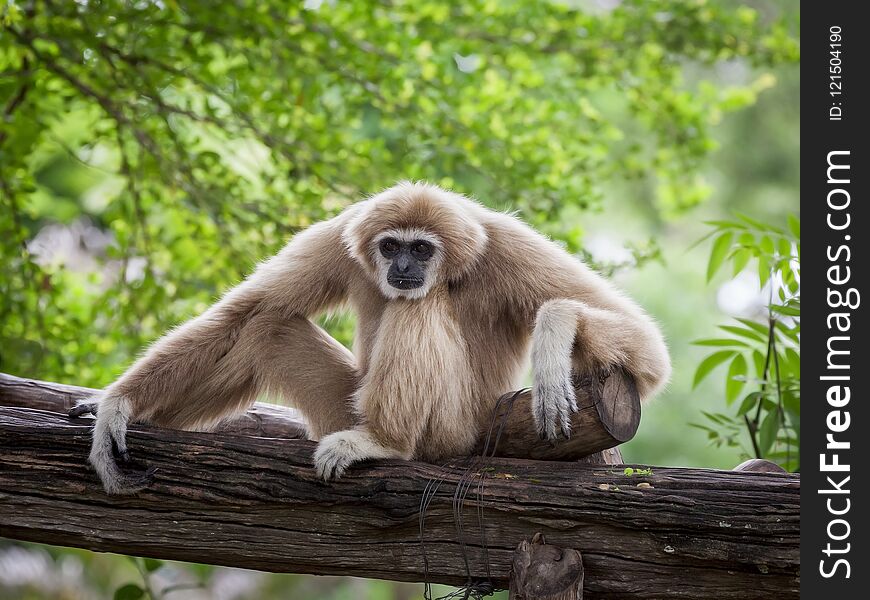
[{"x": 408, "y": 262}]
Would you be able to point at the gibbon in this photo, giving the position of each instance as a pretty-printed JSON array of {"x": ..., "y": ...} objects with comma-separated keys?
[{"x": 451, "y": 299}]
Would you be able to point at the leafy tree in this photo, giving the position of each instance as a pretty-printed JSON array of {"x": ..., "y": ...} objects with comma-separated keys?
[{"x": 202, "y": 134}]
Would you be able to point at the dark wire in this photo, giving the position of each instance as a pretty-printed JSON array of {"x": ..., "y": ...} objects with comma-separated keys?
[{"x": 468, "y": 467}]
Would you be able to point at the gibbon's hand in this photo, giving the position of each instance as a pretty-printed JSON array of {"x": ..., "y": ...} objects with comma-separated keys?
[
  {"x": 553, "y": 402},
  {"x": 337, "y": 451}
]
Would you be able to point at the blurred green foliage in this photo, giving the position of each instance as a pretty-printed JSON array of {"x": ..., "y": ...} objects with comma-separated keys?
[
  {"x": 761, "y": 355},
  {"x": 152, "y": 152}
]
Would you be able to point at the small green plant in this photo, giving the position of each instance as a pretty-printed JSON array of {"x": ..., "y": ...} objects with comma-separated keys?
[
  {"x": 629, "y": 471},
  {"x": 763, "y": 356}
]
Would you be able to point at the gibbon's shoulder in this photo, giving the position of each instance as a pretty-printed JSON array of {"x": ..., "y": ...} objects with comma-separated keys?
[{"x": 512, "y": 243}]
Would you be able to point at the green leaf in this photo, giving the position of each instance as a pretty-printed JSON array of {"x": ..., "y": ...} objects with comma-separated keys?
[
  {"x": 702, "y": 239},
  {"x": 794, "y": 226},
  {"x": 757, "y": 224},
  {"x": 758, "y": 359},
  {"x": 734, "y": 384},
  {"x": 793, "y": 362},
  {"x": 763, "y": 270},
  {"x": 706, "y": 428},
  {"x": 721, "y": 246},
  {"x": 739, "y": 259},
  {"x": 788, "y": 310},
  {"x": 130, "y": 591},
  {"x": 755, "y": 326},
  {"x": 721, "y": 224},
  {"x": 710, "y": 363},
  {"x": 767, "y": 432},
  {"x": 727, "y": 342},
  {"x": 719, "y": 419},
  {"x": 152, "y": 564},
  {"x": 792, "y": 404},
  {"x": 744, "y": 332},
  {"x": 749, "y": 402}
]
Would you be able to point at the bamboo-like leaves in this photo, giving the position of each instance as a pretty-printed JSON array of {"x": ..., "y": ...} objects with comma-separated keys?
[{"x": 762, "y": 355}]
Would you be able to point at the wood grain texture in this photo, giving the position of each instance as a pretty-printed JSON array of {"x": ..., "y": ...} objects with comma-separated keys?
[{"x": 255, "y": 502}]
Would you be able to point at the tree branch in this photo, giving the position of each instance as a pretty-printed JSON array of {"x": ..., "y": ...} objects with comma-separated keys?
[{"x": 255, "y": 502}]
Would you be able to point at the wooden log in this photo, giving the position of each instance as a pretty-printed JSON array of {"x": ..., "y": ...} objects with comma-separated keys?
[
  {"x": 608, "y": 415},
  {"x": 256, "y": 503},
  {"x": 263, "y": 419},
  {"x": 544, "y": 572}
]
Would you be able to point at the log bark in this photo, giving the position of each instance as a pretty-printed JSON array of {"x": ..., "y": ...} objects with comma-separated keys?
[
  {"x": 255, "y": 502},
  {"x": 609, "y": 415},
  {"x": 541, "y": 571}
]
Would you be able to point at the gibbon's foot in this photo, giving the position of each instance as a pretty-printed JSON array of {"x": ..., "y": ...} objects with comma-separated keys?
[
  {"x": 553, "y": 402},
  {"x": 135, "y": 476},
  {"x": 85, "y": 408},
  {"x": 337, "y": 451}
]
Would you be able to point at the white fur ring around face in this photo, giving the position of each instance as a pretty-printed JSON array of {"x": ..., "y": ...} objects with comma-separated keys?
[{"x": 337, "y": 451}]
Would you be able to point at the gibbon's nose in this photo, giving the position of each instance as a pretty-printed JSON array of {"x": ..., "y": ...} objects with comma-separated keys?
[{"x": 403, "y": 264}]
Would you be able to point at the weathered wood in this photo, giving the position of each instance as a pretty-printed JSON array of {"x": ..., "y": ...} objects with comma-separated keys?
[
  {"x": 541, "y": 571},
  {"x": 264, "y": 420},
  {"x": 256, "y": 503},
  {"x": 607, "y": 417}
]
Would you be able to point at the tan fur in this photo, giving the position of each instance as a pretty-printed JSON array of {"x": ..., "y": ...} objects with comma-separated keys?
[{"x": 425, "y": 371}]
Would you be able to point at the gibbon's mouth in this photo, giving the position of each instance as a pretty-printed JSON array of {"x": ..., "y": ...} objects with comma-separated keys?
[{"x": 405, "y": 283}]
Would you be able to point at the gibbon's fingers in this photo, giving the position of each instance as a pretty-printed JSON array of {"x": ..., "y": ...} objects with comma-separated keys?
[
  {"x": 90, "y": 408},
  {"x": 337, "y": 451},
  {"x": 121, "y": 455},
  {"x": 84, "y": 408},
  {"x": 109, "y": 442},
  {"x": 553, "y": 403},
  {"x": 553, "y": 396}
]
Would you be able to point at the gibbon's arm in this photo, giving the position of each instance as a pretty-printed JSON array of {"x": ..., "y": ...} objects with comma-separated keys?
[
  {"x": 581, "y": 323},
  {"x": 208, "y": 367},
  {"x": 572, "y": 336}
]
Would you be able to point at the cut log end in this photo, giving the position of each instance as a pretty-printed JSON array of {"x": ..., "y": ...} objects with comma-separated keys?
[{"x": 608, "y": 415}]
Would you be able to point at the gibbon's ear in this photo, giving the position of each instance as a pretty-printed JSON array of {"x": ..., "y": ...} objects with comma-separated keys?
[{"x": 450, "y": 217}]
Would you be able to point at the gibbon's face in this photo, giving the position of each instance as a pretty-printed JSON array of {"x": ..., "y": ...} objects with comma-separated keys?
[
  {"x": 407, "y": 262},
  {"x": 413, "y": 237}
]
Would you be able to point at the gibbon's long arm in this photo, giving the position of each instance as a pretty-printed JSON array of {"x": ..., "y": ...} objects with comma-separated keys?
[
  {"x": 572, "y": 337},
  {"x": 211, "y": 366},
  {"x": 580, "y": 323}
]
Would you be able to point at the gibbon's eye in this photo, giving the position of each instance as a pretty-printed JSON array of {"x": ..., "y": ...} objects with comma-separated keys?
[
  {"x": 421, "y": 250},
  {"x": 389, "y": 247}
]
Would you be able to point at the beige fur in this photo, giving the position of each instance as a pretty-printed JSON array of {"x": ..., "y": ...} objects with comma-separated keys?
[{"x": 426, "y": 368}]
